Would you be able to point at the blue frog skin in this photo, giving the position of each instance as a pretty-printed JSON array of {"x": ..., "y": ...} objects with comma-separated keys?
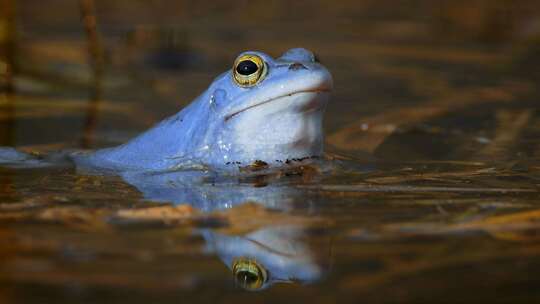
[
  {"x": 268, "y": 114},
  {"x": 263, "y": 111}
]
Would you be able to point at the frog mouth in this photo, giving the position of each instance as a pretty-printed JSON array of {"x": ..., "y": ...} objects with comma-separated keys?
[{"x": 231, "y": 115}]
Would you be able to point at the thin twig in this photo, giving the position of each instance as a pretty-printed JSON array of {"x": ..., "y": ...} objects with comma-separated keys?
[
  {"x": 8, "y": 69},
  {"x": 7, "y": 45},
  {"x": 95, "y": 51}
]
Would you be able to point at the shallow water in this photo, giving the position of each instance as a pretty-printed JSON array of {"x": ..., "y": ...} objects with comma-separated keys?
[{"x": 432, "y": 136}]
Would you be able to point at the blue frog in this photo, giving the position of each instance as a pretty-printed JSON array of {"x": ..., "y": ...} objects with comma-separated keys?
[{"x": 262, "y": 111}]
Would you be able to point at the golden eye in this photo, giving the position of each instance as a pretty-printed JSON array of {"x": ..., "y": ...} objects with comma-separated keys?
[
  {"x": 249, "y": 274},
  {"x": 248, "y": 70}
]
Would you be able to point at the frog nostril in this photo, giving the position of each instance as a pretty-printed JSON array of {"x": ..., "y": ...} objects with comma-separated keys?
[{"x": 297, "y": 66}]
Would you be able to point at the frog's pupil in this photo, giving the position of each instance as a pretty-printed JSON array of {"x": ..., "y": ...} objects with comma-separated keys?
[
  {"x": 246, "y": 67},
  {"x": 246, "y": 278}
]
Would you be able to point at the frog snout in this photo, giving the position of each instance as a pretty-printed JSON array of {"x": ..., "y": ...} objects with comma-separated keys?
[{"x": 297, "y": 66}]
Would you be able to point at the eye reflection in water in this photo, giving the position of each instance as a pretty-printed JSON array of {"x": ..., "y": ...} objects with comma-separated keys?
[
  {"x": 249, "y": 274},
  {"x": 270, "y": 251},
  {"x": 268, "y": 255}
]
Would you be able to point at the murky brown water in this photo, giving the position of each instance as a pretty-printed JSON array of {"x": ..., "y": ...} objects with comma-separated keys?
[{"x": 434, "y": 121}]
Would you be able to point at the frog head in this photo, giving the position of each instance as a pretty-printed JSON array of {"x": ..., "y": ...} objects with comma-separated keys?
[{"x": 268, "y": 110}]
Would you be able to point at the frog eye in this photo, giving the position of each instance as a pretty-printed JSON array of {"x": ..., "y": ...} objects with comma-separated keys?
[
  {"x": 249, "y": 274},
  {"x": 248, "y": 70}
]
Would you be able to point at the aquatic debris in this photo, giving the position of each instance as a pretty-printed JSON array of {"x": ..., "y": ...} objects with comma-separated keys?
[
  {"x": 516, "y": 226},
  {"x": 414, "y": 189},
  {"x": 165, "y": 214},
  {"x": 257, "y": 165},
  {"x": 81, "y": 218}
]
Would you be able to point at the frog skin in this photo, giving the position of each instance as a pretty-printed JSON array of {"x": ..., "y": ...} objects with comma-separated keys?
[{"x": 228, "y": 126}]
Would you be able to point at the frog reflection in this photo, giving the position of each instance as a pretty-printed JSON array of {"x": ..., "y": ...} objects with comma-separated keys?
[
  {"x": 208, "y": 192},
  {"x": 265, "y": 255}
]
